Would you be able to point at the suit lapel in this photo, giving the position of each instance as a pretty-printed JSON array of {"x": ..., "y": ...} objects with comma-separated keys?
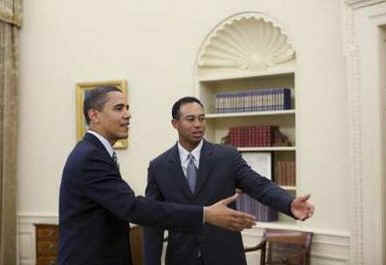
[
  {"x": 206, "y": 166},
  {"x": 177, "y": 173},
  {"x": 95, "y": 141},
  {"x": 88, "y": 137}
]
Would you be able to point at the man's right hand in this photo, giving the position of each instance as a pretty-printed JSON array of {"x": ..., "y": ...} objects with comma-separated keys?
[{"x": 220, "y": 215}]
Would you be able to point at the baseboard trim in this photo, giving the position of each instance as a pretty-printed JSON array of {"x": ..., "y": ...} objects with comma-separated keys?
[{"x": 328, "y": 247}]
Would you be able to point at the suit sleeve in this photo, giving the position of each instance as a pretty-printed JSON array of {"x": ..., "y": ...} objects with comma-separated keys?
[
  {"x": 153, "y": 236},
  {"x": 259, "y": 187},
  {"x": 102, "y": 184}
]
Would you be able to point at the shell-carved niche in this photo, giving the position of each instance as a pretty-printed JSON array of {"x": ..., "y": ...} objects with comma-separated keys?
[{"x": 245, "y": 44}]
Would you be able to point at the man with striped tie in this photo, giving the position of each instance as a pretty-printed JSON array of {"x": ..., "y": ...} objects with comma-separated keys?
[{"x": 197, "y": 172}]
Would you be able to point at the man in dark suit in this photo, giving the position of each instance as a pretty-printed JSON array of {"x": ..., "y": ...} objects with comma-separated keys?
[
  {"x": 196, "y": 172},
  {"x": 96, "y": 205}
]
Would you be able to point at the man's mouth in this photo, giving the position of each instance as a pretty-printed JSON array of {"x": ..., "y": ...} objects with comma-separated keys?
[
  {"x": 126, "y": 125},
  {"x": 197, "y": 134}
]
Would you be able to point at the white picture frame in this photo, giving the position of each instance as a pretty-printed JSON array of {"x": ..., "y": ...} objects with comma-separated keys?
[{"x": 261, "y": 162}]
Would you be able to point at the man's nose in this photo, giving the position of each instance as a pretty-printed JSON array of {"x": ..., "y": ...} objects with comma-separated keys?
[
  {"x": 127, "y": 114},
  {"x": 197, "y": 123}
]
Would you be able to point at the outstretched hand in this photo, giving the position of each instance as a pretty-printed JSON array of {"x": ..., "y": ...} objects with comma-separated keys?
[
  {"x": 302, "y": 208},
  {"x": 220, "y": 215}
]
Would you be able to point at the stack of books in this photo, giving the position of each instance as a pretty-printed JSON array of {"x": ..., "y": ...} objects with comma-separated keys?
[
  {"x": 257, "y": 136},
  {"x": 269, "y": 99},
  {"x": 249, "y": 205},
  {"x": 285, "y": 173}
]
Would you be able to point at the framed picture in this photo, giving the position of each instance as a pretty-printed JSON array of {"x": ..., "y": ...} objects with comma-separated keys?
[
  {"x": 261, "y": 162},
  {"x": 81, "y": 88}
]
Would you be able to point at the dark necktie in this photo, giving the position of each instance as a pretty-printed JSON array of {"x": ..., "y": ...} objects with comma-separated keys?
[
  {"x": 191, "y": 173},
  {"x": 115, "y": 159}
]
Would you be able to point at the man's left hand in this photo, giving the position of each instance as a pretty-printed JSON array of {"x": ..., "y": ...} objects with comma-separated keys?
[{"x": 302, "y": 208}]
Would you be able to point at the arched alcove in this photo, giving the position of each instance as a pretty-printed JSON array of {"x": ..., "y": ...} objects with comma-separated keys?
[{"x": 245, "y": 44}]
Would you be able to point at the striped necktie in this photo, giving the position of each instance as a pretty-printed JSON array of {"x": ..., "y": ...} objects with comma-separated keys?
[{"x": 191, "y": 173}]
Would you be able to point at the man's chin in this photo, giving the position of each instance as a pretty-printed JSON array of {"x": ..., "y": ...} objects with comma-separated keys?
[
  {"x": 122, "y": 136},
  {"x": 197, "y": 140}
]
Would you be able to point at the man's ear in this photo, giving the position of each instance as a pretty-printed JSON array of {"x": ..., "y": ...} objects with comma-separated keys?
[
  {"x": 93, "y": 114},
  {"x": 175, "y": 123}
]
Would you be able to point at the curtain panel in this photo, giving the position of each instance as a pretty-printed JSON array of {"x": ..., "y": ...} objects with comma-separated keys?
[
  {"x": 11, "y": 12},
  {"x": 10, "y": 22}
]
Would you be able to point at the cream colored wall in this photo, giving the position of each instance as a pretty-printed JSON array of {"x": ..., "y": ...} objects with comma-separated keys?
[{"x": 153, "y": 45}]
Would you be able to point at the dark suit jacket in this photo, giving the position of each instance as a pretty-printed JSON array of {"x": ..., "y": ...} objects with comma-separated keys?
[
  {"x": 221, "y": 171},
  {"x": 96, "y": 206}
]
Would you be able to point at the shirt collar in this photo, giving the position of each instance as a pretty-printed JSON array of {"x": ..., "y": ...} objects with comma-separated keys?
[
  {"x": 195, "y": 152},
  {"x": 103, "y": 140}
]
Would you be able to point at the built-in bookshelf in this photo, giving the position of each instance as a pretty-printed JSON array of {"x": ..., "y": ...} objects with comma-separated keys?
[
  {"x": 241, "y": 79},
  {"x": 219, "y": 124}
]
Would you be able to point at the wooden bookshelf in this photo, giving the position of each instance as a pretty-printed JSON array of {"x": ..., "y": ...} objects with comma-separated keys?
[{"x": 218, "y": 124}]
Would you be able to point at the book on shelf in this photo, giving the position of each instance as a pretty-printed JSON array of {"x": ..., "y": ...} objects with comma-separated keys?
[
  {"x": 269, "y": 99},
  {"x": 285, "y": 173}
]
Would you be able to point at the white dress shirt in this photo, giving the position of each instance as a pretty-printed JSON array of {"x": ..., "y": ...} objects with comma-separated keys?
[
  {"x": 105, "y": 143},
  {"x": 184, "y": 154}
]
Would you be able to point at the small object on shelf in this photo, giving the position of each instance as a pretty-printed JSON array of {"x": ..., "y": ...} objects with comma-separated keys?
[
  {"x": 226, "y": 139},
  {"x": 280, "y": 139}
]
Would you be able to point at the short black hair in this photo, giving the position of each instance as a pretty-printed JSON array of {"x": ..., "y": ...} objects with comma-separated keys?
[
  {"x": 182, "y": 101},
  {"x": 96, "y": 98}
]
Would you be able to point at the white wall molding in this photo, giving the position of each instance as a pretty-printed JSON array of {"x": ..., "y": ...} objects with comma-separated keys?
[
  {"x": 34, "y": 218},
  {"x": 359, "y": 24},
  {"x": 362, "y": 3},
  {"x": 351, "y": 52},
  {"x": 26, "y": 235},
  {"x": 328, "y": 247}
]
